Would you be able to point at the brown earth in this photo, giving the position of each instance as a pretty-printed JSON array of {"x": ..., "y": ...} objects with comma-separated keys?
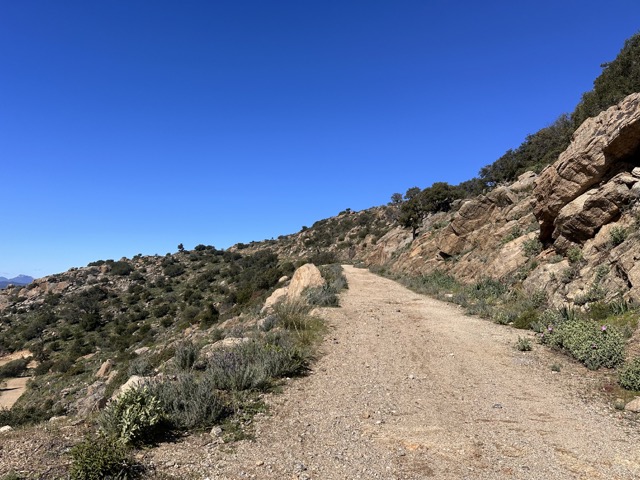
[
  {"x": 12, "y": 388},
  {"x": 407, "y": 388},
  {"x": 10, "y": 391}
]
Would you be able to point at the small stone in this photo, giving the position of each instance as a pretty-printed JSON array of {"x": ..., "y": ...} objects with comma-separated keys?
[
  {"x": 412, "y": 376},
  {"x": 259, "y": 463},
  {"x": 216, "y": 432},
  {"x": 633, "y": 405},
  {"x": 497, "y": 405},
  {"x": 6, "y": 428}
]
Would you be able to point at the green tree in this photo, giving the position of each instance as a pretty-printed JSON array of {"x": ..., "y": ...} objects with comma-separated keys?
[
  {"x": 411, "y": 193},
  {"x": 618, "y": 79},
  {"x": 396, "y": 199},
  {"x": 411, "y": 215}
]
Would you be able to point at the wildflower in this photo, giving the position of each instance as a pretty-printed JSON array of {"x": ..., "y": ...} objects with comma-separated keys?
[
  {"x": 550, "y": 328},
  {"x": 603, "y": 328}
]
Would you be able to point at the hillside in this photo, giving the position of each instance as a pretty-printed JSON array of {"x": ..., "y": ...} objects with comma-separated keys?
[{"x": 545, "y": 240}]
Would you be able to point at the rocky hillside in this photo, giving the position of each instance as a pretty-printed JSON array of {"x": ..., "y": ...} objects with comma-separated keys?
[
  {"x": 570, "y": 230},
  {"x": 131, "y": 314}
]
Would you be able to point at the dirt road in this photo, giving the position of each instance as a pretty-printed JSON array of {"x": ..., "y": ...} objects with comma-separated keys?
[
  {"x": 411, "y": 388},
  {"x": 12, "y": 388}
]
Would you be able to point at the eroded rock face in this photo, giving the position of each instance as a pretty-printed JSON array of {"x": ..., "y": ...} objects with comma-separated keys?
[
  {"x": 599, "y": 147},
  {"x": 581, "y": 218}
]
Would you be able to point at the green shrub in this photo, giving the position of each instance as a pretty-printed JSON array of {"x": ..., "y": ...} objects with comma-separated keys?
[
  {"x": 532, "y": 247},
  {"x": 575, "y": 255},
  {"x": 189, "y": 400},
  {"x": 433, "y": 283},
  {"x": 292, "y": 315},
  {"x": 18, "y": 416},
  {"x": 322, "y": 296},
  {"x": 629, "y": 376},
  {"x": 253, "y": 365},
  {"x": 98, "y": 458},
  {"x": 186, "y": 355},
  {"x": 121, "y": 268},
  {"x": 12, "y": 475},
  {"x": 133, "y": 418},
  {"x": 593, "y": 345},
  {"x": 617, "y": 235},
  {"x": 516, "y": 232},
  {"x": 173, "y": 270},
  {"x": 523, "y": 344},
  {"x": 14, "y": 368}
]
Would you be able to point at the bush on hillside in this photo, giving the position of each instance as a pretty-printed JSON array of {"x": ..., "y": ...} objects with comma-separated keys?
[
  {"x": 629, "y": 376},
  {"x": 133, "y": 418},
  {"x": 593, "y": 345}
]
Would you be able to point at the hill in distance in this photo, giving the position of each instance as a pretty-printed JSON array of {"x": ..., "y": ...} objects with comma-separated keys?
[{"x": 19, "y": 280}]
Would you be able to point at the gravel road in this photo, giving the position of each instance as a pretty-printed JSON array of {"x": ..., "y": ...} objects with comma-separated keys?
[{"x": 411, "y": 388}]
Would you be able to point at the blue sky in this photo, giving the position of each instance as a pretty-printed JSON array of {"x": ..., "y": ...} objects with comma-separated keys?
[{"x": 132, "y": 126}]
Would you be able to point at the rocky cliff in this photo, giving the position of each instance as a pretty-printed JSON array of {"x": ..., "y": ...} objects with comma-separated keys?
[{"x": 565, "y": 230}]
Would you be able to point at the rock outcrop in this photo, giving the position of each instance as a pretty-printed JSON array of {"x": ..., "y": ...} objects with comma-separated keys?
[
  {"x": 601, "y": 147},
  {"x": 587, "y": 199},
  {"x": 307, "y": 276}
]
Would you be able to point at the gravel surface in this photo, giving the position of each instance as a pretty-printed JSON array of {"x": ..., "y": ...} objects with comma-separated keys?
[{"x": 410, "y": 388}]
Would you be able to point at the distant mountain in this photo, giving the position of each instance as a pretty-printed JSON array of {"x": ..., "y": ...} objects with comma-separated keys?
[{"x": 19, "y": 280}]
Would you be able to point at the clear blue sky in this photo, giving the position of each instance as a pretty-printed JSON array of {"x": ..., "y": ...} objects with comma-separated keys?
[{"x": 132, "y": 126}]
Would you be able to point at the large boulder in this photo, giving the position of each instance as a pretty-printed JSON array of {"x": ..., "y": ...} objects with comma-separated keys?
[
  {"x": 601, "y": 142},
  {"x": 583, "y": 217},
  {"x": 307, "y": 276}
]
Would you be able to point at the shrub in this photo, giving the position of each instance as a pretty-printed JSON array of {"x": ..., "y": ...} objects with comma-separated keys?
[
  {"x": 252, "y": 365},
  {"x": 14, "y": 368},
  {"x": 532, "y": 247},
  {"x": 575, "y": 255},
  {"x": 617, "y": 235},
  {"x": 173, "y": 270},
  {"x": 434, "y": 282},
  {"x": 186, "y": 355},
  {"x": 629, "y": 376},
  {"x": 19, "y": 416},
  {"x": 189, "y": 400},
  {"x": 516, "y": 232},
  {"x": 292, "y": 315},
  {"x": 322, "y": 296},
  {"x": 133, "y": 417},
  {"x": 121, "y": 268},
  {"x": 523, "y": 344},
  {"x": 98, "y": 458},
  {"x": 594, "y": 346}
]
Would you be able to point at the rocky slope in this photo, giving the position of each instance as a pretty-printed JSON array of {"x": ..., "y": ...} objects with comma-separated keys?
[{"x": 564, "y": 230}]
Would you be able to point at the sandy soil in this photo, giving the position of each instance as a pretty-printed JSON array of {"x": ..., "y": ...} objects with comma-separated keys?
[
  {"x": 12, "y": 388},
  {"x": 411, "y": 388},
  {"x": 10, "y": 391}
]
